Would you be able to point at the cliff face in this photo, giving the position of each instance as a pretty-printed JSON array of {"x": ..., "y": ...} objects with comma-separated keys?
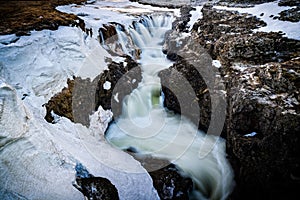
[{"x": 261, "y": 75}]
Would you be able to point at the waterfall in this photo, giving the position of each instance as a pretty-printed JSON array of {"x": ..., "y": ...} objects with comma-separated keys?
[{"x": 151, "y": 129}]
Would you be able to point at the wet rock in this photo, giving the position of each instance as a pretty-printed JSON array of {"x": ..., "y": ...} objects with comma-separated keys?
[
  {"x": 110, "y": 41},
  {"x": 94, "y": 188},
  {"x": 191, "y": 83},
  {"x": 178, "y": 97},
  {"x": 264, "y": 122},
  {"x": 171, "y": 184},
  {"x": 123, "y": 78}
]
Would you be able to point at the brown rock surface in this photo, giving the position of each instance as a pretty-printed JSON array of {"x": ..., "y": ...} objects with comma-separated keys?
[
  {"x": 261, "y": 75},
  {"x": 20, "y": 17}
]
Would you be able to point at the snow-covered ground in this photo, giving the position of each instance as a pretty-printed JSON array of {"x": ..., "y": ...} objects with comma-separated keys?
[
  {"x": 264, "y": 11},
  {"x": 38, "y": 158},
  {"x": 106, "y": 11}
]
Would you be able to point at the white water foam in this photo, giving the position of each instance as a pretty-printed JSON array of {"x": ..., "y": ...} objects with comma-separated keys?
[{"x": 148, "y": 127}]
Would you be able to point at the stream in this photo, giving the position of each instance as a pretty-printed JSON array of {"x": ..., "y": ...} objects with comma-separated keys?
[{"x": 150, "y": 129}]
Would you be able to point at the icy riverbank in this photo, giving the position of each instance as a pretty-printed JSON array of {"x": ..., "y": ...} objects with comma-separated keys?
[{"x": 38, "y": 158}]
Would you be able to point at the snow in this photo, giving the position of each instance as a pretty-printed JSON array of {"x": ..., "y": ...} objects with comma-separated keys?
[
  {"x": 217, "y": 63},
  {"x": 107, "y": 85},
  {"x": 104, "y": 12},
  {"x": 6, "y": 39},
  {"x": 291, "y": 29},
  {"x": 38, "y": 158},
  {"x": 250, "y": 134},
  {"x": 116, "y": 97},
  {"x": 196, "y": 14}
]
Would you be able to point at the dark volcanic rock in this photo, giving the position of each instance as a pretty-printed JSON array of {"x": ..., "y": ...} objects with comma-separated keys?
[
  {"x": 229, "y": 37},
  {"x": 257, "y": 48},
  {"x": 192, "y": 82},
  {"x": 97, "y": 188},
  {"x": 123, "y": 77},
  {"x": 292, "y": 15},
  {"x": 94, "y": 188},
  {"x": 289, "y": 3},
  {"x": 170, "y": 184},
  {"x": 175, "y": 82},
  {"x": 218, "y": 23},
  {"x": 265, "y": 100},
  {"x": 263, "y": 110}
]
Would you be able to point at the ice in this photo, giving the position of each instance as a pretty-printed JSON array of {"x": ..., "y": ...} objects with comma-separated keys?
[
  {"x": 196, "y": 14},
  {"x": 217, "y": 63},
  {"x": 107, "y": 85},
  {"x": 104, "y": 12},
  {"x": 250, "y": 134},
  {"x": 7, "y": 39},
  {"x": 38, "y": 158},
  {"x": 291, "y": 29}
]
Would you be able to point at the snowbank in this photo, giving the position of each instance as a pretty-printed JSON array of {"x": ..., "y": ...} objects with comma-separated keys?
[{"x": 38, "y": 158}]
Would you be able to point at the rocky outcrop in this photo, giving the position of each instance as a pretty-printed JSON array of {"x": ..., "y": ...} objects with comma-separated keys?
[
  {"x": 217, "y": 24},
  {"x": 180, "y": 23},
  {"x": 109, "y": 39},
  {"x": 229, "y": 37},
  {"x": 260, "y": 72},
  {"x": 20, "y": 17},
  {"x": 242, "y": 3},
  {"x": 292, "y": 15},
  {"x": 75, "y": 102},
  {"x": 178, "y": 97},
  {"x": 121, "y": 79},
  {"x": 289, "y": 3},
  {"x": 171, "y": 184},
  {"x": 263, "y": 130},
  {"x": 257, "y": 48},
  {"x": 82, "y": 96},
  {"x": 61, "y": 103},
  {"x": 94, "y": 188}
]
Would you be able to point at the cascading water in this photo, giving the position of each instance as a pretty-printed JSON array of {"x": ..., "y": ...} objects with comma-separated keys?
[{"x": 148, "y": 127}]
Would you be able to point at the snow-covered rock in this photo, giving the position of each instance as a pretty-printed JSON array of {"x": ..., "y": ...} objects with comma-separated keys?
[{"x": 38, "y": 158}]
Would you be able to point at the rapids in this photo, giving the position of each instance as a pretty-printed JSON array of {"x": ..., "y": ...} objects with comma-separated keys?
[{"x": 151, "y": 129}]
